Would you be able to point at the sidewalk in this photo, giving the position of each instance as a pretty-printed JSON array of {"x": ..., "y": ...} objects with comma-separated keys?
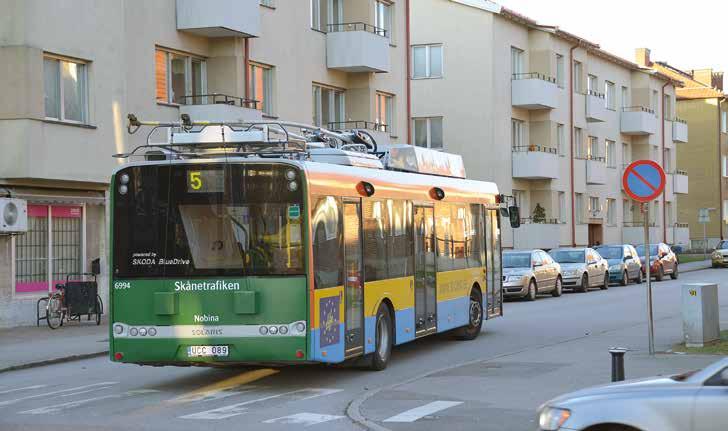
[
  {"x": 695, "y": 266},
  {"x": 30, "y": 346}
]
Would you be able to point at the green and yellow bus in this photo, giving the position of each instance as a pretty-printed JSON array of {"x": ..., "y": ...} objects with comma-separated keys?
[{"x": 275, "y": 260}]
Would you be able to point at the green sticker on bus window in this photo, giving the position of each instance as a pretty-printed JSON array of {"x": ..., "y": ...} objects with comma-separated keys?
[{"x": 294, "y": 212}]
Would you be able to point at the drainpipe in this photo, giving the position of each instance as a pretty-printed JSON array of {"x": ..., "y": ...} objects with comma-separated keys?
[
  {"x": 246, "y": 72},
  {"x": 407, "y": 68},
  {"x": 571, "y": 140},
  {"x": 664, "y": 197},
  {"x": 720, "y": 172}
]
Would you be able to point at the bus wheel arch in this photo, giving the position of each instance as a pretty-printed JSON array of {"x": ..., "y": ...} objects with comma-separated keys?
[
  {"x": 384, "y": 320},
  {"x": 475, "y": 315}
]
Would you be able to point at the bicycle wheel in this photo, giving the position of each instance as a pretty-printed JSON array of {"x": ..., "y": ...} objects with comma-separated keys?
[
  {"x": 99, "y": 309},
  {"x": 55, "y": 312}
]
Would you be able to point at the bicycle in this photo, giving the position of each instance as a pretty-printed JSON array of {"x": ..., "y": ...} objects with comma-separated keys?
[{"x": 73, "y": 300}]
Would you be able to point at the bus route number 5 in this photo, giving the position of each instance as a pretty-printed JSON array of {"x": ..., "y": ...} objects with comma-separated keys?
[{"x": 196, "y": 180}]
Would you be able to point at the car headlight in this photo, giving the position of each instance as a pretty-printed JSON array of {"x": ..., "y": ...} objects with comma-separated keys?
[
  {"x": 717, "y": 255},
  {"x": 514, "y": 278},
  {"x": 552, "y": 418}
]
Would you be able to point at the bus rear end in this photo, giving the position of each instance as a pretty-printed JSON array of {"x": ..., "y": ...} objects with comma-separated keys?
[{"x": 208, "y": 264}]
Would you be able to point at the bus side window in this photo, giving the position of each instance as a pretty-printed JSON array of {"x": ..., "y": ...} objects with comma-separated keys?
[
  {"x": 475, "y": 237},
  {"x": 400, "y": 259},
  {"x": 443, "y": 237},
  {"x": 327, "y": 242},
  {"x": 376, "y": 230}
]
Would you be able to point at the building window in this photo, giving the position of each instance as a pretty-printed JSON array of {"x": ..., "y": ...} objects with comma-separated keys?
[
  {"x": 261, "y": 87},
  {"x": 725, "y": 210},
  {"x": 179, "y": 75},
  {"x": 611, "y": 154},
  {"x": 383, "y": 17},
  {"x": 328, "y": 106},
  {"x": 269, "y": 3},
  {"x": 578, "y": 71},
  {"x": 653, "y": 101},
  {"x": 724, "y": 121},
  {"x": 51, "y": 249},
  {"x": 517, "y": 66},
  {"x": 626, "y": 210},
  {"x": 625, "y": 97},
  {"x": 66, "y": 90},
  {"x": 562, "y": 207},
  {"x": 654, "y": 208},
  {"x": 427, "y": 61},
  {"x": 325, "y": 13},
  {"x": 626, "y": 157},
  {"x": 668, "y": 214},
  {"x": 385, "y": 113},
  {"x": 517, "y": 138},
  {"x": 579, "y": 207},
  {"x": 521, "y": 202},
  {"x": 561, "y": 139},
  {"x": 593, "y": 148},
  {"x": 428, "y": 132},
  {"x": 578, "y": 143},
  {"x": 611, "y": 209},
  {"x": 592, "y": 84},
  {"x": 609, "y": 95},
  {"x": 667, "y": 115},
  {"x": 560, "y": 70},
  {"x": 594, "y": 208}
]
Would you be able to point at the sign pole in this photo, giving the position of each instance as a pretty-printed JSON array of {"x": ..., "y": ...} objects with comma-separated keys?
[
  {"x": 705, "y": 242},
  {"x": 650, "y": 319}
]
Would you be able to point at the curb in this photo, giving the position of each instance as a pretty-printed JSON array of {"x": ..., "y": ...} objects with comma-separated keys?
[
  {"x": 695, "y": 269},
  {"x": 53, "y": 361}
]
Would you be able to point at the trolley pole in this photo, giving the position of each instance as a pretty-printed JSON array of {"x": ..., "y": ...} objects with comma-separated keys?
[{"x": 650, "y": 319}]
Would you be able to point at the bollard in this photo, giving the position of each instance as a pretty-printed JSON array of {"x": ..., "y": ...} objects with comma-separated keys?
[{"x": 617, "y": 363}]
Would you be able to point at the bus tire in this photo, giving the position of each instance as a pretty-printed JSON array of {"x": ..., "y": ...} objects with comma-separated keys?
[
  {"x": 383, "y": 339},
  {"x": 475, "y": 317}
]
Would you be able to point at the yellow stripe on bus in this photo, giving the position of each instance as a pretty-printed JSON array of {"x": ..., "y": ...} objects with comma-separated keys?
[
  {"x": 457, "y": 283},
  {"x": 399, "y": 290}
]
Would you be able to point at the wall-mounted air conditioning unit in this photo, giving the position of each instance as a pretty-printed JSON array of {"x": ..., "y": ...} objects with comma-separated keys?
[{"x": 13, "y": 216}]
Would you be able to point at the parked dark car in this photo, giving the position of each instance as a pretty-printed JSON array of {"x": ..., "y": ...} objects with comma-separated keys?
[
  {"x": 624, "y": 263},
  {"x": 663, "y": 261}
]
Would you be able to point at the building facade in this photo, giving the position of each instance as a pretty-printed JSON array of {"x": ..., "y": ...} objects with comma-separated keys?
[
  {"x": 550, "y": 117},
  {"x": 702, "y": 104},
  {"x": 71, "y": 74}
]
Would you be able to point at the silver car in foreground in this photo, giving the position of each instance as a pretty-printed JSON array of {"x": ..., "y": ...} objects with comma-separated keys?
[
  {"x": 526, "y": 273},
  {"x": 582, "y": 268},
  {"x": 694, "y": 401},
  {"x": 719, "y": 256}
]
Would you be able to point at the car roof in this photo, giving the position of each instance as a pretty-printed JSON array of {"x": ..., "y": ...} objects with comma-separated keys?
[
  {"x": 523, "y": 251},
  {"x": 570, "y": 249}
]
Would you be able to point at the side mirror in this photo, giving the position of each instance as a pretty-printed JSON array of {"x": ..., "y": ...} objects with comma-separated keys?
[
  {"x": 536, "y": 264},
  {"x": 514, "y": 214},
  {"x": 627, "y": 258}
]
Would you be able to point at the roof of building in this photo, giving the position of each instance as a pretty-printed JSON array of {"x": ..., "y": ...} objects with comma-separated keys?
[
  {"x": 691, "y": 87},
  {"x": 698, "y": 93}
]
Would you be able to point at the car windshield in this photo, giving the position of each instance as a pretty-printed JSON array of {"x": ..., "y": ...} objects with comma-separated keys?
[
  {"x": 722, "y": 245},
  {"x": 610, "y": 252},
  {"x": 517, "y": 260},
  {"x": 568, "y": 256},
  {"x": 641, "y": 250}
]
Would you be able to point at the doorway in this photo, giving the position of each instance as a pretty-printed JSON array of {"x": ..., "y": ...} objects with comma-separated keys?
[
  {"x": 425, "y": 271},
  {"x": 596, "y": 234},
  {"x": 353, "y": 280}
]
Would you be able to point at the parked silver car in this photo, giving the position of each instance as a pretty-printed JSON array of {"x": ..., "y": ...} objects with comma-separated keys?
[
  {"x": 720, "y": 254},
  {"x": 694, "y": 401},
  {"x": 582, "y": 268},
  {"x": 527, "y": 273}
]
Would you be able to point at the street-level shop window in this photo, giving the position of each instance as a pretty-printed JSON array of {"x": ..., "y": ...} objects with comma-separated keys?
[
  {"x": 65, "y": 89},
  {"x": 428, "y": 132},
  {"x": 180, "y": 78},
  {"x": 51, "y": 249}
]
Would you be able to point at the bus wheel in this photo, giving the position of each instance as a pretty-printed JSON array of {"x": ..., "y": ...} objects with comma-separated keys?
[
  {"x": 475, "y": 318},
  {"x": 383, "y": 340}
]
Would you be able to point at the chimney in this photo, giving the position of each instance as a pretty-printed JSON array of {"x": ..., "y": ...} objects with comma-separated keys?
[
  {"x": 704, "y": 76},
  {"x": 642, "y": 57},
  {"x": 718, "y": 80}
]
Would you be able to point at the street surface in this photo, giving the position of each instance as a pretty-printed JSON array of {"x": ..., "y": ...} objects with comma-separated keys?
[{"x": 536, "y": 351}]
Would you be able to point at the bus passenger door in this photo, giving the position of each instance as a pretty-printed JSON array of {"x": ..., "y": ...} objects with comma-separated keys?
[
  {"x": 353, "y": 280},
  {"x": 425, "y": 272},
  {"x": 493, "y": 264}
]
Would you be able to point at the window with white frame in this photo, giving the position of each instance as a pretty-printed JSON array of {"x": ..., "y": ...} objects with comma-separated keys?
[
  {"x": 592, "y": 84},
  {"x": 609, "y": 96},
  {"x": 560, "y": 70},
  {"x": 667, "y": 166},
  {"x": 561, "y": 139},
  {"x": 325, "y": 14},
  {"x": 667, "y": 115},
  {"x": 611, "y": 211},
  {"x": 428, "y": 132},
  {"x": 52, "y": 248},
  {"x": 427, "y": 61},
  {"x": 385, "y": 113},
  {"x": 724, "y": 121},
  {"x": 626, "y": 156},
  {"x": 65, "y": 89},
  {"x": 261, "y": 87},
  {"x": 724, "y": 166},
  {"x": 625, "y": 97},
  {"x": 328, "y": 106},
  {"x": 593, "y": 148},
  {"x": 579, "y": 207},
  {"x": 517, "y": 135},
  {"x": 179, "y": 78},
  {"x": 626, "y": 211},
  {"x": 578, "y": 72},
  {"x": 610, "y": 153},
  {"x": 594, "y": 206},
  {"x": 578, "y": 143},
  {"x": 517, "y": 66},
  {"x": 383, "y": 17},
  {"x": 562, "y": 207}
]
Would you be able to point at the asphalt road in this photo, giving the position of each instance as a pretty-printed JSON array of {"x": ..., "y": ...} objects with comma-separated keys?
[{"x": 536, "y": 351}]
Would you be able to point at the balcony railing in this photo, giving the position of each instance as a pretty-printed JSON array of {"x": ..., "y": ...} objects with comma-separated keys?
[
  {"x": 218, "y": 99},
  {"x": 638, "y": 109},
  {"x": 680, "y": 172},
  {"x": 533, "y": 75},
  {"x": 638, "y": 224},
  {"x": 596, "y": 158},
  {"x": 530, "y": 220},
  {"x": 367, "y": 125},
  {"x": 679, "y": 120},
  {"x": 595, "y": 94},
  {"x": 534, "y": 148},
  {"x": 357, "y": 26}
]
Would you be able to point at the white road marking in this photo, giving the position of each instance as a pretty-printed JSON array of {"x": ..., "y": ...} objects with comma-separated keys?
[
  {"x": 305, "y": 419},
  {"x": 66, "y": 406},
  {"x": 242, "y": 408},
  {"x": 63, "y": 391},
  {"x": 26, "y": 388},
  {"x": 422, "y": 411},
  {"x": 216, "y": 394}
]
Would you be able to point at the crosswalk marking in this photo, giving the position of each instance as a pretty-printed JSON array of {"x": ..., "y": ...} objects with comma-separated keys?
[
  {"x": 211, "y": 395},
  {"x": 305, "y": 419},
  {"x": 63, "y": 391},
  {"x": 422, "y": 411},
  {"x": 242, "y": 408},
  {"x": 26, "y": 388},
  {"x": 65, "y": 406}
]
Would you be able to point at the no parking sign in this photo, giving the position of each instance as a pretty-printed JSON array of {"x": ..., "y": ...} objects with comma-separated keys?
[{"x": 643, "y": 180}]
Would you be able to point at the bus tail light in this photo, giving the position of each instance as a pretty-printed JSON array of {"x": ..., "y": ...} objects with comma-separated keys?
[
  {"x": 118, "y": 356},
  {"x": 299, "y": 354}
]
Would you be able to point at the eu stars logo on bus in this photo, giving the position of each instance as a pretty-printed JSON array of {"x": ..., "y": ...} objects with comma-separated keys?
[{"x": 329, "y": 318}]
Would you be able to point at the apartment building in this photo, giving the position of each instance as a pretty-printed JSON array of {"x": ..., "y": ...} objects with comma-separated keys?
[
  {"x": 549, "y": 116},
  {"x": 71, "y": 71},
  {"x": 702, "y": 105}
]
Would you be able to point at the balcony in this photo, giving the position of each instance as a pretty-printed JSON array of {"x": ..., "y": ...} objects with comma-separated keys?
[
  {"x": 534, "y": 162},
  {"x": 357, "y": 47},
  {"x": 534, "y": 91},
  {"x": 679, "y": 131},
  {"x": 680, "y": 182},
  {"x": 638, "y": 120},
  {"x": 220, "y": 107},
  {"x": 596, "y": 108},
  {"x": 219, "y": 18},
  {"x": 596, "y": 170},
  {"x": 379, "y": 132},
  {"x": 634, "y": 233},
  {"x": 544, "y": 234}
]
